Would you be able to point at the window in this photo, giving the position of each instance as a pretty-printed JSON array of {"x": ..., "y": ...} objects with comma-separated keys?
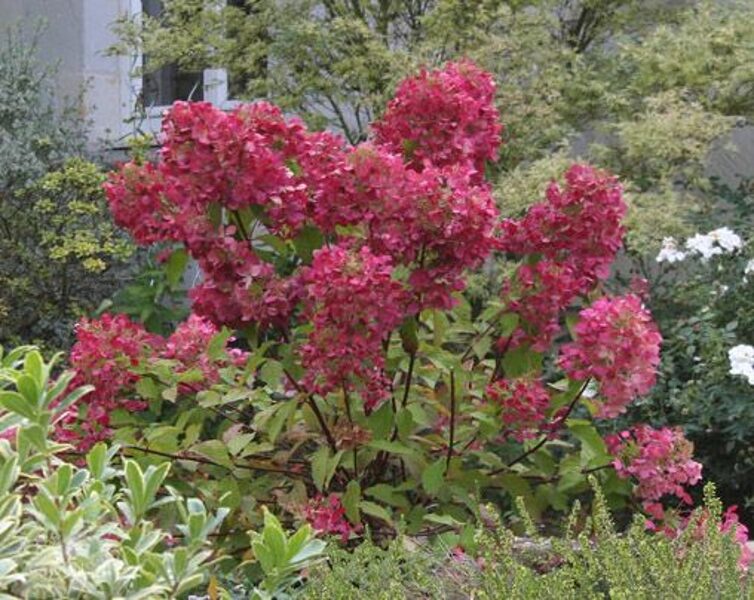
[
  {"x": 148, "y": 95},
  {"x": 169, "y": 83}
]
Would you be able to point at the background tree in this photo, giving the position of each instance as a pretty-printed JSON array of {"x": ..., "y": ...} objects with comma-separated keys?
[{"x": 60, "y": 251}]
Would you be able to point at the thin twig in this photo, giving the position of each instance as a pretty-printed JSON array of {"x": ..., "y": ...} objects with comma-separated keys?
[
  {"x": 546, "y": 437},
  {"x": 315, "y": 409},
  {"x": 451, "y": 441},
  {"x": 482, "y": 335}
]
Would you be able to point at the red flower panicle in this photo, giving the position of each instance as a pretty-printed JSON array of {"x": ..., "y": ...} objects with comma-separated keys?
[
  {"x": 576, "y": 234},
  {"x": 618, "y": 345},
  {"x": 659, "y": 459},
  {"x": 523, "y": 404},
  {"x": 111, "y": 352},
  {"x": 106, "y": 354},
  {"x": 352, "y": 302},
  {"x": 327, "y": 515},
  {"x": 189, "y": 346},
  {"x": 443, "y": 117}
]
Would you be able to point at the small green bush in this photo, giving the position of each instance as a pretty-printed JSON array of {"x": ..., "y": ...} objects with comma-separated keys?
[
  {"x": 597, "y": 562},
  {"x": 85, "y": 529}
]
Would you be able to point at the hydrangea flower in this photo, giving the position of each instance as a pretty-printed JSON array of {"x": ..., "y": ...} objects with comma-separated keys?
[
  {"x": 741, "y": 359},
  {"x": 352, "y": 302},
  {"x": 327, "y": 515},
  {"x": 670, "y": 252},
  {"x": 618, "y": 345},
  {"x": 443, "y": 117},
  {"x": 110, "y": 353},
  {"x": 522, "y": 406},
  {"x": 106, "y": 354},
  {"x": 661, "y": 460},
  {"x": 576, "y": 234}
]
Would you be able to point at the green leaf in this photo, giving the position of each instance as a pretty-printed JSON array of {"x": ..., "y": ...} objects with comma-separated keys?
[
  {"x": 482, "y": 346},
  {"x": 29, "y": 389},
  {"x": 282, "y": 414},
  {"x": 380, "y": 422},
  {"x": 216, "y": 347},
  {"x": 391, "y": 447},
  {"x": 34, "y": 366},
  {"x": 443, "y": 520},
  {"x": 593, "y": 449},
  {"x": 237, "y": 443},
  {"x": 147, "y": 388},
  {"x": 350, "y": 501},
  {"x": 521, "y": 361},
  {"x": 18, "y": 404},
  {"x": 324, "y": 466},
  {"x": 508, "y": 324},
  {"x": 271, "y": 373},
  {"x": 387, "y": 494},
  {"x": 96, "y": 460},
  {"x": 375, "y": 510},
  {"x": 175, "y": 266},
  {"x": 135, "y": 482},
  {"x": 307, "y": 241},
  {"x": 434, "y": 476},
  {"x": 409, "y": 335},
  {"x": 48, "y": 513},
  {"x": 215, "y": 451}
]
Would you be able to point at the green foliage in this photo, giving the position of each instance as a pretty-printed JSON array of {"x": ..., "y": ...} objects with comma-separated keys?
[
  {"x": 592, "y": 560},
  {"x": 402, "y": 570},
  {"x": 283, "y": 557},
  {"x": 61, "y": 254},
  {"x": 84, "y": 529},
  {"x": 706, "y": 309},
  {"x": 155, "y": 295}
]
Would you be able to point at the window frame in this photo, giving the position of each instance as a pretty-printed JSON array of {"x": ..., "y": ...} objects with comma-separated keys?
[{"x": 214, "y": 89}]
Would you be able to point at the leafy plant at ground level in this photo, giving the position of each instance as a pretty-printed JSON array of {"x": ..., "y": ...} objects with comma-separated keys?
[
  {"x": 85, "y": 529},
  {"x": 592, "y": 561}
]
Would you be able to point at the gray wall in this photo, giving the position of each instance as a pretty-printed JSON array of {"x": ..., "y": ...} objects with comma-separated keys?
[{"x": 77, "y": 33}]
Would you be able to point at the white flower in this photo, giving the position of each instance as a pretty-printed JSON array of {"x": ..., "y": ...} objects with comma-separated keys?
[
  {"x": 727, "y": 239},
  {"x": 704, "y": 245},
  {"x": 715, "y": 242},
  {"x": 670, "y": 252},
  {"x": 742, "y": 361}
]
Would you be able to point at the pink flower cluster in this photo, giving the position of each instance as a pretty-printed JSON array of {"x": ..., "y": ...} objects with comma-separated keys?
[
  {"x": 659, "y": 459},
  {"x": 523, "y": 404},
  {"x": 249, "y": 159},
  {"x": 227, "y": 179},
  {"x": 732, "y": 524},
  {"x": 575, "y": 234},
  {"x": 439, "y": 221},
  {"x": 353, "y": 302},
  {"x": 105, "y": 355},
  {"x": 443, "y": 118},
  {"x": 327, "y": 515},
  {"x": 109, "y": 354},
  {"x": 618, "y": 345}
]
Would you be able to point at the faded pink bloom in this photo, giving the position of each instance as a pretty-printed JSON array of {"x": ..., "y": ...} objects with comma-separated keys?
[
  {"x": 618, "y": 345},
  {"x": 661, "y": 461}
]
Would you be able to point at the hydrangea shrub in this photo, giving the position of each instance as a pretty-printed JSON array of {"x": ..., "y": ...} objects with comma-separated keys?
[{"x": 362, "y": 386}]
